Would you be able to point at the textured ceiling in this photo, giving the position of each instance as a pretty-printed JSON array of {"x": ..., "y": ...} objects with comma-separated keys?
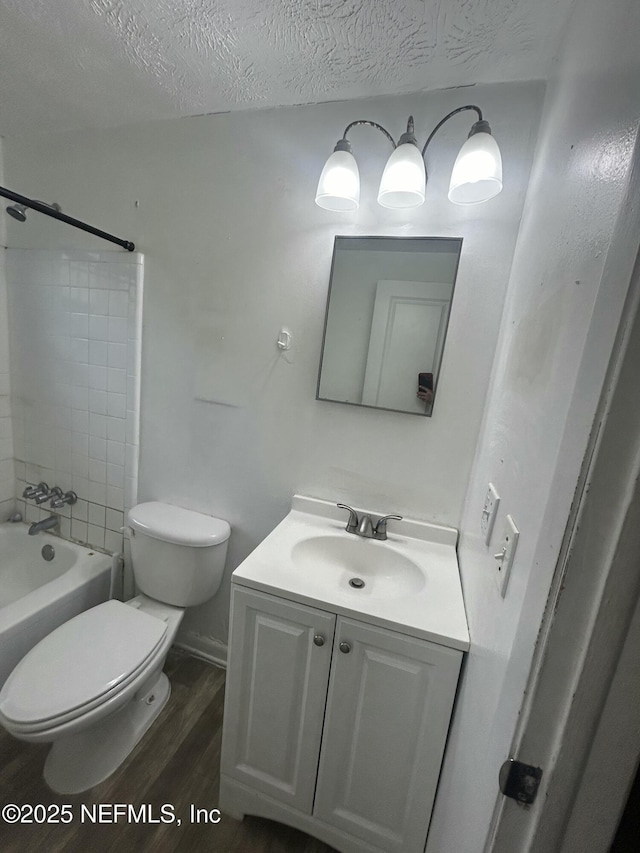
[{"x": 66, "y": 64}]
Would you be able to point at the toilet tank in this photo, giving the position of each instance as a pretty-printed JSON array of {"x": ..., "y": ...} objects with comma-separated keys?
[{"x": 177, "y": 554}]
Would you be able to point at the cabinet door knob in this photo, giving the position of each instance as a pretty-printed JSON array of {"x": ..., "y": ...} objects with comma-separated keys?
[
  {"x": 345, "y": 648},
  {"x": 318, "y": 640}
]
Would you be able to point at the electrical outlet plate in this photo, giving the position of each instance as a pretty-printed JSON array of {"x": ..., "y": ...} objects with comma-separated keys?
[
  {"x": 489, "y": 512},
  {"x": 506, "y": 553}
]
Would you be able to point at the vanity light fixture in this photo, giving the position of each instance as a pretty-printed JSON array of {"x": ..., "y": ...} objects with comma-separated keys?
[{"x": 476, "y": 176}]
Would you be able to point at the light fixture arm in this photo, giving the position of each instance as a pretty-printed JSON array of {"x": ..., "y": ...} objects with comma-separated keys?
[
  {"x": 370, "y": 124},
  {"x": 476, "y": 174},
  {"x": 447, "y": 117}
]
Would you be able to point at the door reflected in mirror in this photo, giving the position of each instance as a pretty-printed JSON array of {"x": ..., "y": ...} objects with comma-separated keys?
[{"x": 386, "y": 321}]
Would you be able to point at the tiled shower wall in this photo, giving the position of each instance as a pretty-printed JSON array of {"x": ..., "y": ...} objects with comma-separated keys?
[
  {"x": 75, "y": 322},
  {"x": 7, "y": 474}
]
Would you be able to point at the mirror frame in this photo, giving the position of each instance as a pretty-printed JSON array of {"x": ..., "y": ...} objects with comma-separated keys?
[{"x": 431, "y": 238}]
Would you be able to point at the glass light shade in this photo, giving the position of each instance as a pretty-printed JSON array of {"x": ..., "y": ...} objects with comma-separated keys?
[
  {"x": 339, "y": 184},
  {"x": 404, "y": 178},
  {"x": 477, "y": 172}
]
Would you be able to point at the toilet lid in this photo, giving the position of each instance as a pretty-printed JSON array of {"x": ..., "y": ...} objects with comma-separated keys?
[
  {"x": 177, "y": 525},
  {"x": 86, "y": 657}
]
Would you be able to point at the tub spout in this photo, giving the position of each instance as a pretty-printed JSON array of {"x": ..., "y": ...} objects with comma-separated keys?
[{"x": 45, "y": 524}]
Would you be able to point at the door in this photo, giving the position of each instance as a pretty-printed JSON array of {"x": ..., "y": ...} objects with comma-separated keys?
[
  {"x": 388, "y": 709},
  {"x": 407, "y": 337},
  {"x": 276, "y": 693}
]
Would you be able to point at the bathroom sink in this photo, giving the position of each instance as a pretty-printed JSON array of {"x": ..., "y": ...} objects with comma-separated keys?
[
  {"x": 363, "y": 565},
  {"x": 410, "y": 582}
]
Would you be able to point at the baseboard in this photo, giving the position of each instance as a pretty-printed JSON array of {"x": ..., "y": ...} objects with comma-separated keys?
[{"x": 212, "y": 651}]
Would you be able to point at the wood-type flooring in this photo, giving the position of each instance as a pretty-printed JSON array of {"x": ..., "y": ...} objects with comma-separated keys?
[{"x": 176, "y": 763}]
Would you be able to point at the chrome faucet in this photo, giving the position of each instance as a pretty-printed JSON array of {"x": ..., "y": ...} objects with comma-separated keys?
[
  {"x": 46, "y": 524},
  {"x": 55, "y": 492},
  {"x": 60, "y": 500},
  {"x": 35, "y": 491},
  {"x": 365, "y": 526}
]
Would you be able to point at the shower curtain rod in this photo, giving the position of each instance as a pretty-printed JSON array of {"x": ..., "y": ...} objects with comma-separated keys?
[{"x": 48, "y": 211}]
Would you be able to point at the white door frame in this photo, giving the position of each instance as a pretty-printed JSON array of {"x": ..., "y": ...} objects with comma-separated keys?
[{"x": 575, "y": 721}]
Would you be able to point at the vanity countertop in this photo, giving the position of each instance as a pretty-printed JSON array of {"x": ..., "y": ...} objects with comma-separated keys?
[{"x": 411, "y": 580}]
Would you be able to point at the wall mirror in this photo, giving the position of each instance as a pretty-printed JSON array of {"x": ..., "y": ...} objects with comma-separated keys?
[{"x": 386, "y": 321}]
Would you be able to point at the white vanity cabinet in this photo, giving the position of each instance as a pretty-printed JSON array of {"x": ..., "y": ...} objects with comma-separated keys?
[
  {"x": 333, "y": 725},
  {"x": 275, "y": 695}
]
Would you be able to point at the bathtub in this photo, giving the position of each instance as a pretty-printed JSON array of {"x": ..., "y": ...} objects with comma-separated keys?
[{"x": 37, "y": 595}]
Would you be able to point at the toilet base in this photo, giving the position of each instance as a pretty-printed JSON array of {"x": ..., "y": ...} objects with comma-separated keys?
[{"x": 80, "y": 761}]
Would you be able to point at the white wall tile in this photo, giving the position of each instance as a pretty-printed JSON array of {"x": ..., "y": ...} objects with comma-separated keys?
[
  {"x": 98, "y": 327},
  {"x": 79, "y": 274},
  {"x": 117, "y": 330},
  {"x": 80, "y": 486},
  {"x": 79, "y": 420},
  {"x": 98, "y": 353},
  {"x": 113, "y": 542},
  {"x": 97, "y": 514},
  {"x": 116, "y": 405},
  {"x": 79, "y": 325},
  {"x": 79, "y": 530},
  {"x": 115, "y": 497},
  {"x": 116, "y": 453},
  {"x": 98, "y": 377},
  {"x": 79, "y": 465},
  {"x": 117, "y": 355},
  {"x": 79, "y": 300},
  {"x": 97, "y": 471},
  {"x": 116, "y": 429},
  {"x": 75, "y": 337},
  {"x": 78, "y": 349},
  {"x": 98, "y": 402},
  {"x": 80, "y": 510},
  {"x": 78, "y": 398},
  {"x": 95, "y": 536},
  {"x": 118, "y": 304},
  {"x": 117, "y": 380},
  {"x": 80, "y": 443},
  {"x": 98, "y": 493},
  {"x": 98, "y": 448},
  {"x": 114, "y": 519},
  {"x": 115, "y": 475},
  {"x": 99, "y": 302},
  {"x": 98, "y": 425}
]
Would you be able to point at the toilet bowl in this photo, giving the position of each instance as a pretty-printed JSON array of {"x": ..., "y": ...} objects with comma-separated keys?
[{"x": 95, "y": 685}]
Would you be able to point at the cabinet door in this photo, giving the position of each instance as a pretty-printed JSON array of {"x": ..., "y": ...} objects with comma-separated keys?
[
  {"x": 276, "y": 693},
  {"x": 388, "y": 709}
]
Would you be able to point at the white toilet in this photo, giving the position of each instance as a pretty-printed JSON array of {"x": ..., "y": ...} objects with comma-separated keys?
[{"x": 94, "y": 685}]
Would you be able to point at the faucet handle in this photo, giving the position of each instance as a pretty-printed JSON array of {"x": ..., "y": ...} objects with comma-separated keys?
[
  {"x": 380, "y": 530},
  {"x": 352, "y": 524},
  {"x": 61, "y": 500},
  {"x": 33, "y": 491},
  {"x": 56, "y": 492}
]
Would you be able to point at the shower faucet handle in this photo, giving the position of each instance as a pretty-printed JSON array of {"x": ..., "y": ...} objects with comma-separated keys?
[
  {"x": 67, "y": 498},
  {"x": 56, "y": 492},
  {"x": 34, "y": 491}
]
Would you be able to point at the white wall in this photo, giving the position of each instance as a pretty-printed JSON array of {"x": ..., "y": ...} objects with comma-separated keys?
[
  {"x": 235, "y": 248},
  {"x": 570, "y": 273}
]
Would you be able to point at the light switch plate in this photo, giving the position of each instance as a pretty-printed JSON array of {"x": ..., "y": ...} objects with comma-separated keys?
[
  {"x": 489, "y": 512},
  {"x": 505, "y": 554}
]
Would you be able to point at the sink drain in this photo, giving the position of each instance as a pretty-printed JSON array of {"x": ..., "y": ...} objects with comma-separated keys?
[{"x": 356, "y": 583}]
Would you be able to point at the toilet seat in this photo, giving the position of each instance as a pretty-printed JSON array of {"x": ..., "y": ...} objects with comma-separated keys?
[{"x": 82, "y": 664}]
